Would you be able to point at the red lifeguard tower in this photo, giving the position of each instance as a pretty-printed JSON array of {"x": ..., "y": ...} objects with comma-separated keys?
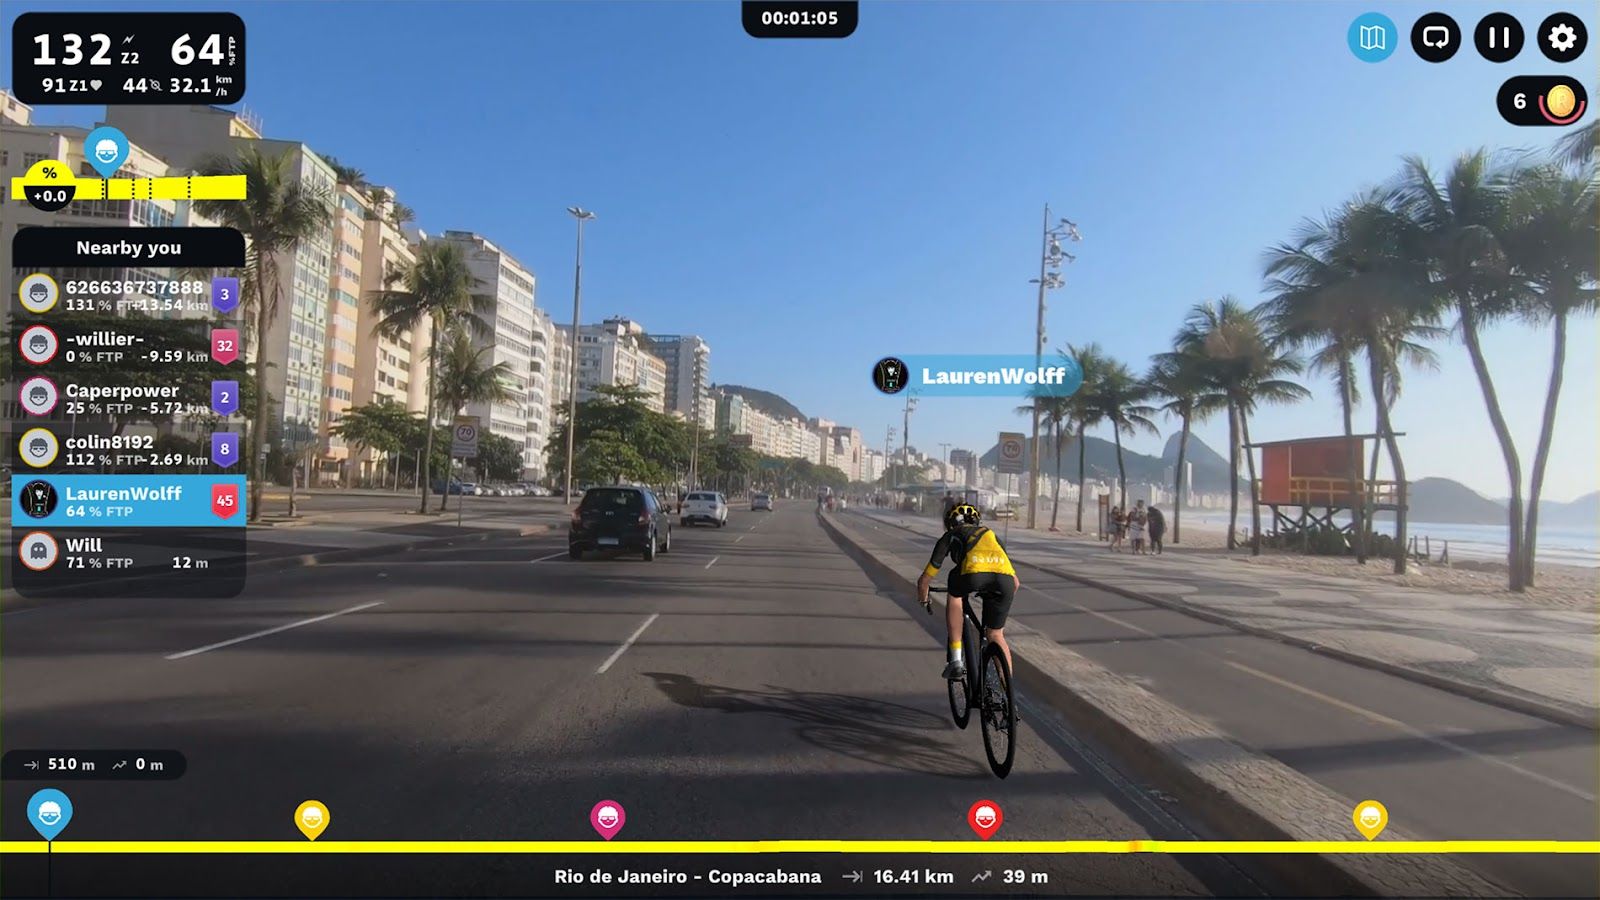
[{"x": 1311, "y": 478}]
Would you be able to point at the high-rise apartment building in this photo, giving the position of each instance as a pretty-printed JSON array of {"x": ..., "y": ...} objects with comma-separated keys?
[
  {"x": 617, "y": 353},
  {"x": 688, "y": 376},
  {"x": 508, "y": 337},
  {"x": 297, "y": 339},
  {"x": 544, "y": 393}
]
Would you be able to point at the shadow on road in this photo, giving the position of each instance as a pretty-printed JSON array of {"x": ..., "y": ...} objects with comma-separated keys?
[{"x": 875, "y": 731}]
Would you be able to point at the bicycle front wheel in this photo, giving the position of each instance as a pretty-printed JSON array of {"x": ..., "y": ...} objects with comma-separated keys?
[{"x": 997, "y": 711}]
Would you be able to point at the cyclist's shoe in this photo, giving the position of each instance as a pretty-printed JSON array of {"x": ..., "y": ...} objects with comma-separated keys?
[{"x": 955, "y": 670}]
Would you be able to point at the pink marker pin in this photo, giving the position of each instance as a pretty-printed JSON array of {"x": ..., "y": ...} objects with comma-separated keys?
[{"x": 607, "y": 817}]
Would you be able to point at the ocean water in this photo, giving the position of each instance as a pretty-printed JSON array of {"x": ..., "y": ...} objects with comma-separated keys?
[{"x": 1562, "y": 545}]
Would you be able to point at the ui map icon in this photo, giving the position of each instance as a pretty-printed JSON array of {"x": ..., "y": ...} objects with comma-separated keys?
[
  {"x": 49, "y": 811},
  {"x": 311, "y": 817},
  {"x": 224, "y": 448},
  {"x": 608, "y": 817},
  {"x": 224, "y": 397},
  {"x": 225, "y": 345},
  {"x": 225, "y": 294},
  {"x": 107, "y": 150}
]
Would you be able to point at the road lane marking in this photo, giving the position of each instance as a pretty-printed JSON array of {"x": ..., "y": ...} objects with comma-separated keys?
[
  {"x": 259, "y": 634},
  {"x": 713, "y": 561},
  {"x": 1396, "y": 724},
  {"x": 626, "y": 644},
  {"x": 551, "y": 556},
  {"x": 739, "y": 538}
]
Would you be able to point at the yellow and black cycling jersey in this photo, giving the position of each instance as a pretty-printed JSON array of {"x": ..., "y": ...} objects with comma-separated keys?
[{"x": 972, "y": 548}]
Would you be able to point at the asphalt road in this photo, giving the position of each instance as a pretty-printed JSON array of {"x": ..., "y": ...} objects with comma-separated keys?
[
  {"x": 750, "y": 684},
  {"x": 1446, "y": 767}
]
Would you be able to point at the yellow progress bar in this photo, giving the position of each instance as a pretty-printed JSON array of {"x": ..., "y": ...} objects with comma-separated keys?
[
  {"x": 689, "y": 847},
  {"x": 53, "y": 173}
]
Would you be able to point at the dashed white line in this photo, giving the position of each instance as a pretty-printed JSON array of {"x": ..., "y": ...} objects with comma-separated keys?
[
  {"x": 713, "y": 561},
  {"x": 626, "y": 644},
  {"x": 739, "y": 538},
  {"x": 551, "y": 556},
  {"x": 259, "y": 634}
]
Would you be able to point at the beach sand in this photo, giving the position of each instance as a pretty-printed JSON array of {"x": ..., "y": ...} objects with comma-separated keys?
[{"x": 1557, "y": 586}]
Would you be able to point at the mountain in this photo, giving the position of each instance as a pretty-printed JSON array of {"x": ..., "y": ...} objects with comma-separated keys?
[
  {"x": 1583, "y": 511},
  {"x": 1451, "y": 502},
  {"x": 1100, "y": 462},
  {"x": 766, "y": 401}
]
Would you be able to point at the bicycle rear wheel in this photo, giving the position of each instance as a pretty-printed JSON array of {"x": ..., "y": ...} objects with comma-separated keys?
[
  {"x": 997, "y": 711},
  {"x": 961, "y": 692}
]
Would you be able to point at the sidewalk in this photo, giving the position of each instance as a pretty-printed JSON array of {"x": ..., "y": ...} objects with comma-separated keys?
[{"x": 1538, "y": 661}]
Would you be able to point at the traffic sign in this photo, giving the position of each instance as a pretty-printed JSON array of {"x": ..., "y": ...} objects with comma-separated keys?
[
  {"x": 464, "y": 439},
  {"x": 1011, "y": 444}
]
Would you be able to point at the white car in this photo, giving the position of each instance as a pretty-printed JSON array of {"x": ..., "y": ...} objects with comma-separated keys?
[
  {"x": 761, "y": 501},
  {"x": 704, "y": 506}
]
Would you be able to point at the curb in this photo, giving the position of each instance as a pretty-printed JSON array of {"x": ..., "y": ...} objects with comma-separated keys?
[
  {"x": 1237, "y": 790},
  {"x": 10, "y": 599},
  {"x": 1550, "y": 712}
]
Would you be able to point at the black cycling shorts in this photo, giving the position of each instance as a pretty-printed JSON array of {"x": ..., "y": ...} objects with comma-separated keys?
[{"x": 1000, "y": 590}]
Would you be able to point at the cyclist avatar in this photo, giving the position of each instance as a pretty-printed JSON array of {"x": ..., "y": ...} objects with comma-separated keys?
[{"x": 981, "y": 567}]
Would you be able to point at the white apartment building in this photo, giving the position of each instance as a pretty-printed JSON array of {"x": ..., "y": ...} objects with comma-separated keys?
[
  {"x": 509, "y": 335},
  {"x": 392, "y": 369},
  {"x": 873, "y": 465},
  {"x": 297, "y": 341},
  {"x": 545, "y": 393},
  {"x": 616, "y": 353},
  {"x": 688, "y": 376}
]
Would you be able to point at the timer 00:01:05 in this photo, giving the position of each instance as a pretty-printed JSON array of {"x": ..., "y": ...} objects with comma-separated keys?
[{"x": 778, "y": 17}]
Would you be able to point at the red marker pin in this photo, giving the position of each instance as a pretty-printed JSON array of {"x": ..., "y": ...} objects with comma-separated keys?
[{"x": 985, "y": 818}]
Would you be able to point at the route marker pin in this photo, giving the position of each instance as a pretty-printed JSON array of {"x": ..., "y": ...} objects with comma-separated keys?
[
  {"x": 311, "y": 817},
  {"x": 49, "y": 811},
  {"x": 107, "y": 149},
  {"x": 224, "y": 448},
  {"x": 225, "y": 345},
  {"x": 1370, "y": 818},
  {"x": 608, "y": 817},
  {"x": 985, "y": 818},
  {"x": 224, "y": 397}
]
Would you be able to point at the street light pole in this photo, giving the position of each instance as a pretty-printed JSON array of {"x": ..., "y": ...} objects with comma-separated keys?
[
  {"x": 1050, "y": 258},
  {"x": 582, "y": 215}
]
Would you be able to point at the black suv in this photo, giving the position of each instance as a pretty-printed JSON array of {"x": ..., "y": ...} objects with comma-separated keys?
[{"x": 620, "y": 518}]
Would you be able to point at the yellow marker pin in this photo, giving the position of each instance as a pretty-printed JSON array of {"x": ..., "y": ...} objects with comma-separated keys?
[
  {"x": 1370, "y": 818},
  {"x": 311, "y": 817}
]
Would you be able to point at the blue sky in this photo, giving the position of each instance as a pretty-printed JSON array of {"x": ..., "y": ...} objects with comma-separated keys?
[{"x": 811, "y": 206}]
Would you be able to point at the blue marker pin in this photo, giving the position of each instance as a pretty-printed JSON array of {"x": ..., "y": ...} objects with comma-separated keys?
[
  {"x": 107, "y": 150},
  {"x": 49, "y": 811}
]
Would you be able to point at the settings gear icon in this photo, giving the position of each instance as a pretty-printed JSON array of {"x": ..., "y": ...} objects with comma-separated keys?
[{"x": 1562, "y": 38}]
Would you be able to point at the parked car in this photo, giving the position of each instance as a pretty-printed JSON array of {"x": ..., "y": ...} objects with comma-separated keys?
[
  {"x": 620, "y": 518},
  {"x": 761, "y": 501},
  {"x": 703, "y": 506}
]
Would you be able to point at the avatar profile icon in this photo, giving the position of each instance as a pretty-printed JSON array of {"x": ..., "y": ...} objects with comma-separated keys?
[
  {"x": 38, "y": 396},
  {"x": 38, "y": 551},
  {"x": 889, "y": 375},
  {"x": 38, "y": 293},
  {"x": 38, "y": 499},
  {"x": 38, "y": 344}
]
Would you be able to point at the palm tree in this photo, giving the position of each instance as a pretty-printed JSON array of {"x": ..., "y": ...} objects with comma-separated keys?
[
  {"x": 1178, "y": 377},
  {"x": 1242, "y": 364},
  {"x": 465, "y": 377},
  {"x": 344, "y": 174},
  {"x": 1462, "y": 221},
  {"x": 1578, "y": 148},
  {"x": 1054, "y": 412},
  {"x": 1552, "y": 247},
  {"x": 278, "y": 213},
  {"x": 1119, "y": 397},
  {"x": 1084, "y": 413},
  {"x": 435, "y": 287},
  {"x": 400, "y": 214}
]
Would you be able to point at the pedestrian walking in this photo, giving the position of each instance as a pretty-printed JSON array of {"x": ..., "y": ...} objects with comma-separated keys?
[
  {"x": 1136, "y": 527},
  {"x": 1119, "y": 525},
  {"x": 1158, "y": 529}
]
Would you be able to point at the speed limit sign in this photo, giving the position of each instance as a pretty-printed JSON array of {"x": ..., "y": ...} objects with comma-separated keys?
[
  {"x": 464, "y": 438},
  {"x": 1011, "y": 444}
]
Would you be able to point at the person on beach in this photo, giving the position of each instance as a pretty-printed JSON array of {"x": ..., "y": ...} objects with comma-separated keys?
[
  {"x": 1119, "y": 524},
  {"x": 1158, "y": 529},
  {"x": 1136, "y": 526}
]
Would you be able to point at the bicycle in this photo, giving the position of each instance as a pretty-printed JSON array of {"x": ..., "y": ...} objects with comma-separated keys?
[{"x": 986, "y": 684}]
